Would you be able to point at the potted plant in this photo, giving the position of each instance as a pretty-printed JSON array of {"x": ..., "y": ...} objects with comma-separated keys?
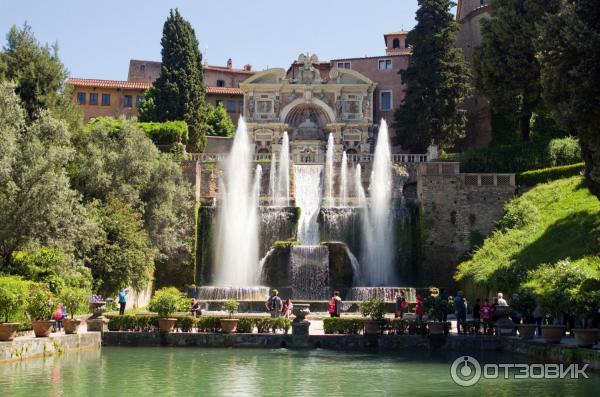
[
  {"x": 13, "y": 291},
  {"x": 75, "y": 301},
  {"x": 554, "y": 303},
  {"x": 523, "y": 304},
  {"x": 435, "y": 307},
  {"x": 39, "y": 309},
  {"x": 585, "y": 305},
  {"x": 374, "y": 309},
  {"x": 229, "y": 325},
  {"x": 165, "y": 302}
]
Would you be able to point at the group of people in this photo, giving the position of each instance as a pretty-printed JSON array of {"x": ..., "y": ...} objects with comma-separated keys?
[{"x": 277, "y": 307}]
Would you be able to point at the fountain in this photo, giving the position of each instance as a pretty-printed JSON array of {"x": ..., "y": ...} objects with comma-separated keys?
[
  {"x": 284, "y": 172},
  {"x": 378, "y": 238},
  {"x": 344, "y": 181},
  {"x": 361, "y": 198},
  {"x": 308, "y": 198},
  {"x": 309, "y": 271},
  {"x": 329, "y": 171}
]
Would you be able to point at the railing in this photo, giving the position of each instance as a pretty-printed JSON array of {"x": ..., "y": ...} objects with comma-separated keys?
[{"x": 315, "y": 159}]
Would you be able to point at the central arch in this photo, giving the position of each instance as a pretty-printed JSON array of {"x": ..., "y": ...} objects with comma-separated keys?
[{"x": 325, "y": 112}]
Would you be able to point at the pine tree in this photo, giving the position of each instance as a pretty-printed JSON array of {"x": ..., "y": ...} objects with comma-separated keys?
[
  {"x": 571, "y": 77},
  {"x": 220, "y": 122},
  {"x": 505, "y": 65},
  {"x": 436, "y": 81},
  {"x": 178, "y": 93}
]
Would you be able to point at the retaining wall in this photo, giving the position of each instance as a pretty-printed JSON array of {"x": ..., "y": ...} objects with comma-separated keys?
[{"x": 31, "y": 347}]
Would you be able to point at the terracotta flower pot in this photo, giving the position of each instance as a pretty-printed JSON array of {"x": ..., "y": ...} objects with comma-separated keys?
[
  {"x": 71, "y": 325},
  {"x": 8, "y": 331},
  {"x": 42, "y": 328},
  {"x": 552, "y": 333},
  {"x": 166, "y": 324},
  {"x": 229, "y": 325},
  {"x": 586, "y": 337},
  {"x": 435, "y": 328},
  {"x": 372, "y": 327},
  {"x": 526, "y": 331}
]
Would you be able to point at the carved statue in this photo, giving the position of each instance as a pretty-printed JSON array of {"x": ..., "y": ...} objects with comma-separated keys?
[
  {"x": 338, "y": 107},
  {"x": 250, "y": 106},
  {"x": 308, "y": 73},
  {"x": 366, "y": 107}
]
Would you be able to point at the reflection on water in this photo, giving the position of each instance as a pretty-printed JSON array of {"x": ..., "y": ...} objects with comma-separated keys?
[{"x": 118, "y": 371}]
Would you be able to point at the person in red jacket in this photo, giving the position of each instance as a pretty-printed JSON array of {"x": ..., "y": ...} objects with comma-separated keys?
[{"x": 419, "y": 307}]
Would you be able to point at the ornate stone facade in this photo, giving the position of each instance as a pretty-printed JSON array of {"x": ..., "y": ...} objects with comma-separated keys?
[{"x": 309, "y": 107}]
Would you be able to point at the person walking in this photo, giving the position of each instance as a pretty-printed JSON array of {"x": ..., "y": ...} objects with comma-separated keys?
[
  {"x": 401, "y": 303},
  {"x": 122, "y": 300},
  {"x": 460, "y": 310},
  {"x": 58, "y": 316},
  {"x": 274, "y": 304},
  {"x": 335, "y": 305},
  {"x": 444, "y": 301}
]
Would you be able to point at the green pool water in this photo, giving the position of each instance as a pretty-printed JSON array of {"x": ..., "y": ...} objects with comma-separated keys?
[{"x": 120, "y": 371}]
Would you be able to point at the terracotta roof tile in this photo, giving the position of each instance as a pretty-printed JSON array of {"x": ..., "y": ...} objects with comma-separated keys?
[
  {"x": 134, "y": 85},
  {"x": 224, "y": 90}
]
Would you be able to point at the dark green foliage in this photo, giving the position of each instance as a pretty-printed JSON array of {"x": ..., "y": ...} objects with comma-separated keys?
[
  {"x": 505, "y": 128},
  {"x": 436, "y": 82},
  {"x": 373, "y": 308},
  {"x": 521, "y": 157},
  {"x": 166, "y": 133},
  {"x": 505, "y": 65},
  {"x": 75, "y": 300},
  {"x": 178, "y": 93},
  {"x": 571, "y": 77},
  {"x": 531, "y": 178},
  {"x": 338, "y": 325},
  {"x": 220, "y": 122}
]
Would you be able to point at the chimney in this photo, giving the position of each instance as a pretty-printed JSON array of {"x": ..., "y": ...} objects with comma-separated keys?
[
  {"x": 229, "y": 63},
  {"x": 248, "y": 67}
]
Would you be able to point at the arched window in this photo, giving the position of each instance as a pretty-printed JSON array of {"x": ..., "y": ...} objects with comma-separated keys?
[{"x": 396, "y": 43}]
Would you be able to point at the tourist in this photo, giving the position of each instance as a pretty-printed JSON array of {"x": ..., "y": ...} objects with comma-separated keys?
[
  {"x": 419, "y": 307},
  {"x": 274, "y": 304},
  {"x": 501, "y": 301},
  {"x": 460, "y": 310},
  {"x": 57, "y": 316},
  {"x": 122, "y": 300},
  {"x": 196, "y": 308},
  {"x": 444, "y": 299},
  {"x": 287, "y": 308},
  {"x": 401, "y": 303},
  {"x": 477, "y": 310},
  {"x": 487, "y": 313},
  {"x": 335, "y": 305}
]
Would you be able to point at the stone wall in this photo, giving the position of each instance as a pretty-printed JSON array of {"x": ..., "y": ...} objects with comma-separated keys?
[
  {"x": 31, "y": 347},
  {"x": 457, "y": 211}
]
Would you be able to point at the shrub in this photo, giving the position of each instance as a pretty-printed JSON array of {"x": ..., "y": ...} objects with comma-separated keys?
[
  {"x": 40, "y": 302},
  {"x": 337, "y": 325},
  {"x": 166, "y": 133},
  {"x": 231, "y": 307},
  {"x": 245, "y": 325},
  {"x": 374, "y": 308},
  {"x": 165, "y": 301},
  {"x": 519, "y": 213},
  {"x": 185, "y": 324},
  {"x": 13, "y": 295},
  {"x": 533, "y": 177},
  {"x": 75, "y": 300}
]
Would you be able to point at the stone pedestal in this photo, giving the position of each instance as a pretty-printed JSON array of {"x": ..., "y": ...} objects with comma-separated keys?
[
  {"x": 300, "y": 326},
  {"x": 99, "y": 324}
]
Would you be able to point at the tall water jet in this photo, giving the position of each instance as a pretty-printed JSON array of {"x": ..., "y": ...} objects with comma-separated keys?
[
  {"x": 329, "y": 170},
  {"x": 273, "y": 180},
  {"x": 237, "y": 234},
  {"x": 361, "y": 198},
  {"x": 308, "y": 199},
  {"x": 344, "y": 181},
  {"x": 284, "y": 172},
  {"x": 378, "y": 239}
]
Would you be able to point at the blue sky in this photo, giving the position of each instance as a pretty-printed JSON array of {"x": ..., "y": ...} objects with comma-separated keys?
[{"x": 97, "y": 39}]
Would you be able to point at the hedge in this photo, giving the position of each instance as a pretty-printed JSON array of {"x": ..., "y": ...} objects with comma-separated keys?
[
  {"x": 519, "y": 157},
  {"x": 533, "y": 177},
  {"x": 166, "y": 133},
  {"x": 212, "y": 324},
  {"x": 397, "y": 326}
]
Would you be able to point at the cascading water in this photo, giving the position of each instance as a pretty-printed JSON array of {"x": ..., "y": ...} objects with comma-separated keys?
[
  {"x": 284, "y": 172},
  {"x": 309, "y": 271},
  {"x": 361, "y": 198},
  {"x": 329, "y": 171},
  {"x": 309, "y": 189},
  {"x": 344, "y": 181},
  {"x": 273, "y": 180},
  {"x": 237, "y": 241},
  {"x": 378, "y": 238}
]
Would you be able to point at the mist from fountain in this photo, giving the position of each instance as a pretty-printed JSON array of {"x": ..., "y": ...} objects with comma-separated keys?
[
  {"x": 378, "y": 238},
  {"x": 284, "y": 172},
  {"x": 309, "y": 271},
  {"x": 344, "y": 181},
  {"x": 237, "y": 234},
  {"x": 361, "y": 197},
  {"x": 309, "y": 190},
  {"x": 329, "y": 171},
  {"x": 273, "y": 180}
]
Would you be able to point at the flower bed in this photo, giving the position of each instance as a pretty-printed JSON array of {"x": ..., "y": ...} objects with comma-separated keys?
[{"x": 143, "y": 323}]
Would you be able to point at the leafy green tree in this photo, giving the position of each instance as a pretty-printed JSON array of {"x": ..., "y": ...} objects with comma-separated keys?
[
  {"x": 123, "y": 255},
  {"x": 178, "y": 93},
  {"x": 37, "y": 204},
  {"x": 220, "y": 122},
  {"x": 571, "y": 77},
  {"x": 505, "y": 65},
  {"x": 39, "y": 76},
  {"x": 436, "y": 81}
]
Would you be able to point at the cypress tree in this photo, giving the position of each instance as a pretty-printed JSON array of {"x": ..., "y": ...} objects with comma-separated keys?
[
  {"x": 505, "y": 65},
  {"x": 436, "y": 81},
  {"x": 220, "y": 122},
  {"x": 179, "y": 93},
  {"x": 571, "y": 77}
]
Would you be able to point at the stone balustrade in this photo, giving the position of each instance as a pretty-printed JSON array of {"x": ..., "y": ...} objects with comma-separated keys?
[{"x": 404, "y": 158}]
